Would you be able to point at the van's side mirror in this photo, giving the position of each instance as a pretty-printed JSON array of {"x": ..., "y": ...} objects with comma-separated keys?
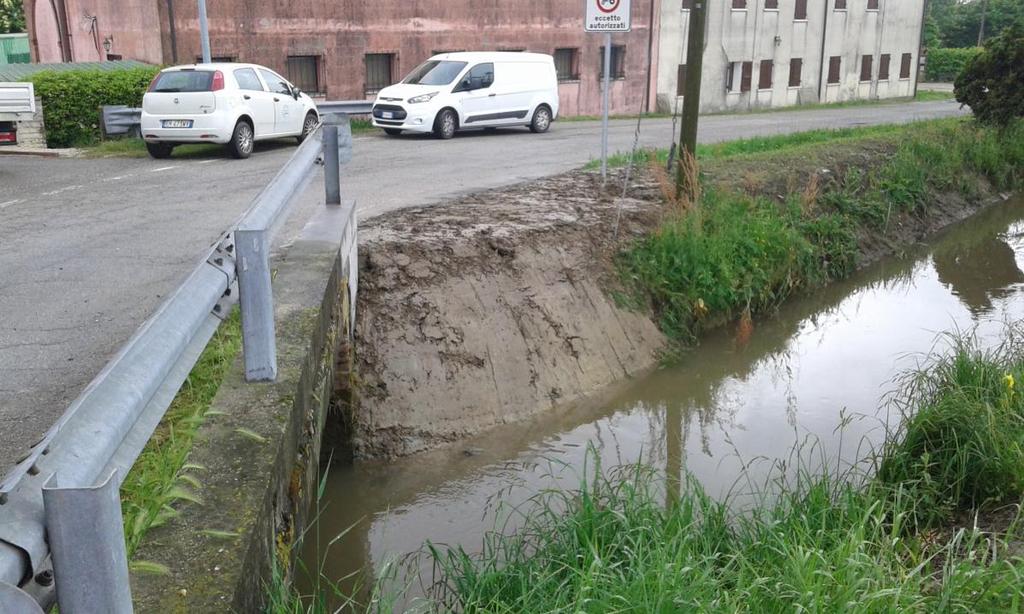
[{"x": 296, "y": 92}]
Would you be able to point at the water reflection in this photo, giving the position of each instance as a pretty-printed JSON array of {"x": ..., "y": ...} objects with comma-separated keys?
[{"x": 803, "y": 373}]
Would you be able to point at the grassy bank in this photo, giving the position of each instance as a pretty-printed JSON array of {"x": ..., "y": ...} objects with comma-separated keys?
[
  {"x": 161, "y": 476},
  {"x": 928, "y": 525},
  {"x": 741, "y": 248}
]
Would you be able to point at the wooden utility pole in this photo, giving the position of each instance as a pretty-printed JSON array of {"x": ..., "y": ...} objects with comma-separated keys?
[{"x": 691, "y": 93}]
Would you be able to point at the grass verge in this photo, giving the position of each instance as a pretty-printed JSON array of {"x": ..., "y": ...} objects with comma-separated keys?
[
  {"x": 136, "y": 148},
  {"x": 161, "y": 475},
  {"x": 907, "y": 539},
  {"x": 732, "y": 253}
]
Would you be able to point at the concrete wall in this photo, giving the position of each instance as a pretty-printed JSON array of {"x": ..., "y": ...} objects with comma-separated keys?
[
  {"x": 755, "y": 34},
  {"x": 32, "y": 133}
]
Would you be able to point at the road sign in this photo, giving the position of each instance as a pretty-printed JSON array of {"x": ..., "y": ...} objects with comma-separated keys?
[{"x": 607, "y": 16}]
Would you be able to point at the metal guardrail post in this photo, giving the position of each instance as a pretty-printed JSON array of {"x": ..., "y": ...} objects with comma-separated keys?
[
  {"x": 256, "y": 299},
  {"x": 86, "y": 538},
  {"x": 332, "y": 166}
]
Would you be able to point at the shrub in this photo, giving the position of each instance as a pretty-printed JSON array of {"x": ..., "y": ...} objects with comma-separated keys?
[
  {"x": 71, "y": 100},
  {"x": 946, "y": 64},
  {"x": 992, "y": 83}
]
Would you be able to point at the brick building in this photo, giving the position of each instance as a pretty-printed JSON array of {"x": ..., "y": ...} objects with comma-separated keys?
[{"x": 347, "y": 50}]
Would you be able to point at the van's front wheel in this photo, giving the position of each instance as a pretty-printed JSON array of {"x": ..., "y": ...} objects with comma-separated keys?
[
  {"x": 445, "y": 124},
  {"x": 541, "y": 119}
]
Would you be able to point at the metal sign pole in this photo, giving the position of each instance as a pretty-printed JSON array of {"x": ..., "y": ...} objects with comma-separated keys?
[
  {"x": 604, "y": 104},
  {"x": 204, "y": 32}
]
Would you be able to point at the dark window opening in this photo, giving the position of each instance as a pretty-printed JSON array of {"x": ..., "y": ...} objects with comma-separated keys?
[
  {"x": 883, "y": 67},
  {"x": 739, "y": 4},
  {"x": 567, "y": 64},
  {"x": 618, "y": 60},
  {"x": 800, "y": 13},
  {"x": 746, "y": 76},
  {"x": 796, "y": 69},
  {"x": 840, "y": 5},
  {"x": 764, "y": 81},
  {"x": 834, "y": 64},
  {"x": 905, "y": 66},
  {"x": 872, "y": 5},
  {"x": 378, "y": 71},
  {"x": 687, "y": 5},
  {"x": 866, "y": 63},
  {"x": 304, "y": 72},
  {"x": 771, "y": 4}
]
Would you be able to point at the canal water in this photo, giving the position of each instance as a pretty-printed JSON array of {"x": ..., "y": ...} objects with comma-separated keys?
[{"x": 815, "y": 376}]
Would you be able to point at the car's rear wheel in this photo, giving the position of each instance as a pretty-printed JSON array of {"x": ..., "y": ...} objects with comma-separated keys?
[
  {"x": 392, "y": 131},
  {"x": 242, "y": 140},
  {"x": 541, "y": 119},
  {"x": 308, "y": 126},
  {"x": 159, "y": 150},
  {"x": 446, "y": 123}
]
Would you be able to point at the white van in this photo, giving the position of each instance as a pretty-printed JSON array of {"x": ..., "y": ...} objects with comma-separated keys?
[{"x": 454, "y": 91}]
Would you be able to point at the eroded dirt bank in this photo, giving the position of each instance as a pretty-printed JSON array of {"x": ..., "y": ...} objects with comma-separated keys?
[
  {"x": 500, "y": 305},
  {"x": 491, "y": 309}
]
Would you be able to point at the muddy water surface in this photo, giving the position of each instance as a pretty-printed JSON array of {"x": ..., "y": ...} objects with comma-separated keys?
[{"x": 819, "y": 370}]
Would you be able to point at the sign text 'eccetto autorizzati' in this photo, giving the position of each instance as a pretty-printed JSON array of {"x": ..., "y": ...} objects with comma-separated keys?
[{"x": 607, "y": 16}]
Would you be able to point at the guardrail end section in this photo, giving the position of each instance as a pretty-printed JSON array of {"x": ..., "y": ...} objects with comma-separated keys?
[
  {"x": 16, "y": 601},
  {"x": 86, "y": 534}
]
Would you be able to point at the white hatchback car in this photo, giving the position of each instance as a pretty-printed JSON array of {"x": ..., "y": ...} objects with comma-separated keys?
[{"x": 231, "y": 104}]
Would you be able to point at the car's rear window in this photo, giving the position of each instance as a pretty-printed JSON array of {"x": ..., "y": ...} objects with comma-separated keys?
[{"x": 184, "y": 81}]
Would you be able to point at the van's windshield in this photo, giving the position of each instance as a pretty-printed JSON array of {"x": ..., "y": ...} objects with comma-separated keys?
[{"x": 435, "y": 72}]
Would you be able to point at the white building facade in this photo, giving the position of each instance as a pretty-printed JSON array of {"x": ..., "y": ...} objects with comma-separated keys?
[{"x": 775, "y": 53}]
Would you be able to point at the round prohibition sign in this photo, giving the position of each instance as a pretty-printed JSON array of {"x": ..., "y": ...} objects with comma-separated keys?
[{"x": 607, "y": 6}]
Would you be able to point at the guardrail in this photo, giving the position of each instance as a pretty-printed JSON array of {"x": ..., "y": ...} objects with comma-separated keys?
[
  {"x": 120, "y": 120},
  {"x": 61, "y": 533}
]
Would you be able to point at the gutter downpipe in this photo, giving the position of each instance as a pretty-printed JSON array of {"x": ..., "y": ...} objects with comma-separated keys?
[
  {"x": 920, "y": 47},
  {"x": 822, "y": 74}
]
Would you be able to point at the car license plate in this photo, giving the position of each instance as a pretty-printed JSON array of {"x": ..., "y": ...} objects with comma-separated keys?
[
  {"x": 388, "y": 114},
  {"x": 177, "y": 123}
]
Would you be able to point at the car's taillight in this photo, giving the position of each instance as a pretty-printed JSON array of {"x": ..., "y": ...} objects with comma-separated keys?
[{"x": 218, "y": 82}]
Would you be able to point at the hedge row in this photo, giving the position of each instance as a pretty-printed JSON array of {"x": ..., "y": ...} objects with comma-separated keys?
[
  {"x": 946, "y": 64},
  {"x": 72, "y": 99}
]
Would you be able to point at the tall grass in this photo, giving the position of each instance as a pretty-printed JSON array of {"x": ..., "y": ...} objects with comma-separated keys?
[
  {"x": 819, "y": 542},
  {"x": 736, "y": 252}
]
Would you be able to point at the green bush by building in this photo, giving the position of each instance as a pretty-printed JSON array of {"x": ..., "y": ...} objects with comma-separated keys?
[{"x": 946, "y": 64}]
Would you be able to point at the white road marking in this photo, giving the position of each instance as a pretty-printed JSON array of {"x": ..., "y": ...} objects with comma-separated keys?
[
  {"x": 9, "y": 203},
  {"x": 65, "y": 189},
  {"x": 207, "y": 161},
  {"x": 162, "y": 168},
  {"x": 118, "y": 178}
]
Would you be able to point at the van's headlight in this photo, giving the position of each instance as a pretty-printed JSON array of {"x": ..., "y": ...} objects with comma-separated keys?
[{"x": 422, "y": 98}]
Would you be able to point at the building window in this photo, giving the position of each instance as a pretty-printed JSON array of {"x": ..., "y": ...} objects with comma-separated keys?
[
  {"x": 444, "y": 51},
  {"x": 567, "y": 64},
  {"x": 618, "y": 68},
  {"x": 747, "y": 77},
  {"x": 905, "y": 66},
  {"x": 378, "y": 71},
  {"x": 304, "y": 72},
  {"x": 840, "y": 5},
  {"x": 883, "y": 67},
  {"x": 872, "y": 5},
  {"x": 512, "y": 49},
  {"x": 800, "y": 13},
  {"x": 739, "y": 4},
  {"x": 796, "y": 69},
  {"x": 746, "y": 73},
  {"x": 834, "y": 63},
  {"x": 681, "y": 81},
  {"x": 217, "y": 59},
  {"x": 687, "y": 5},
  {"x": 771, "y": 5},
  {"x": 764, "y": 81},
  {"x": 865, "y": 67}
]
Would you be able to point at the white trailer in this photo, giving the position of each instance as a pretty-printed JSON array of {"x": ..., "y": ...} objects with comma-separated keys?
[{"x": 17, "y": 103}]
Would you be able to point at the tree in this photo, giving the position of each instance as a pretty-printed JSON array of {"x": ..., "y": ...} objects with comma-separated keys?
[
  {"x": 992, "y": 83},
  {"x": 953, "y": 23},
  {"x": 12, "y": 16}
]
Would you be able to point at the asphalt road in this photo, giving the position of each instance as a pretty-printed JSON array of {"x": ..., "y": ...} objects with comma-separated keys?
[{"x": 88, "y": 248}]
